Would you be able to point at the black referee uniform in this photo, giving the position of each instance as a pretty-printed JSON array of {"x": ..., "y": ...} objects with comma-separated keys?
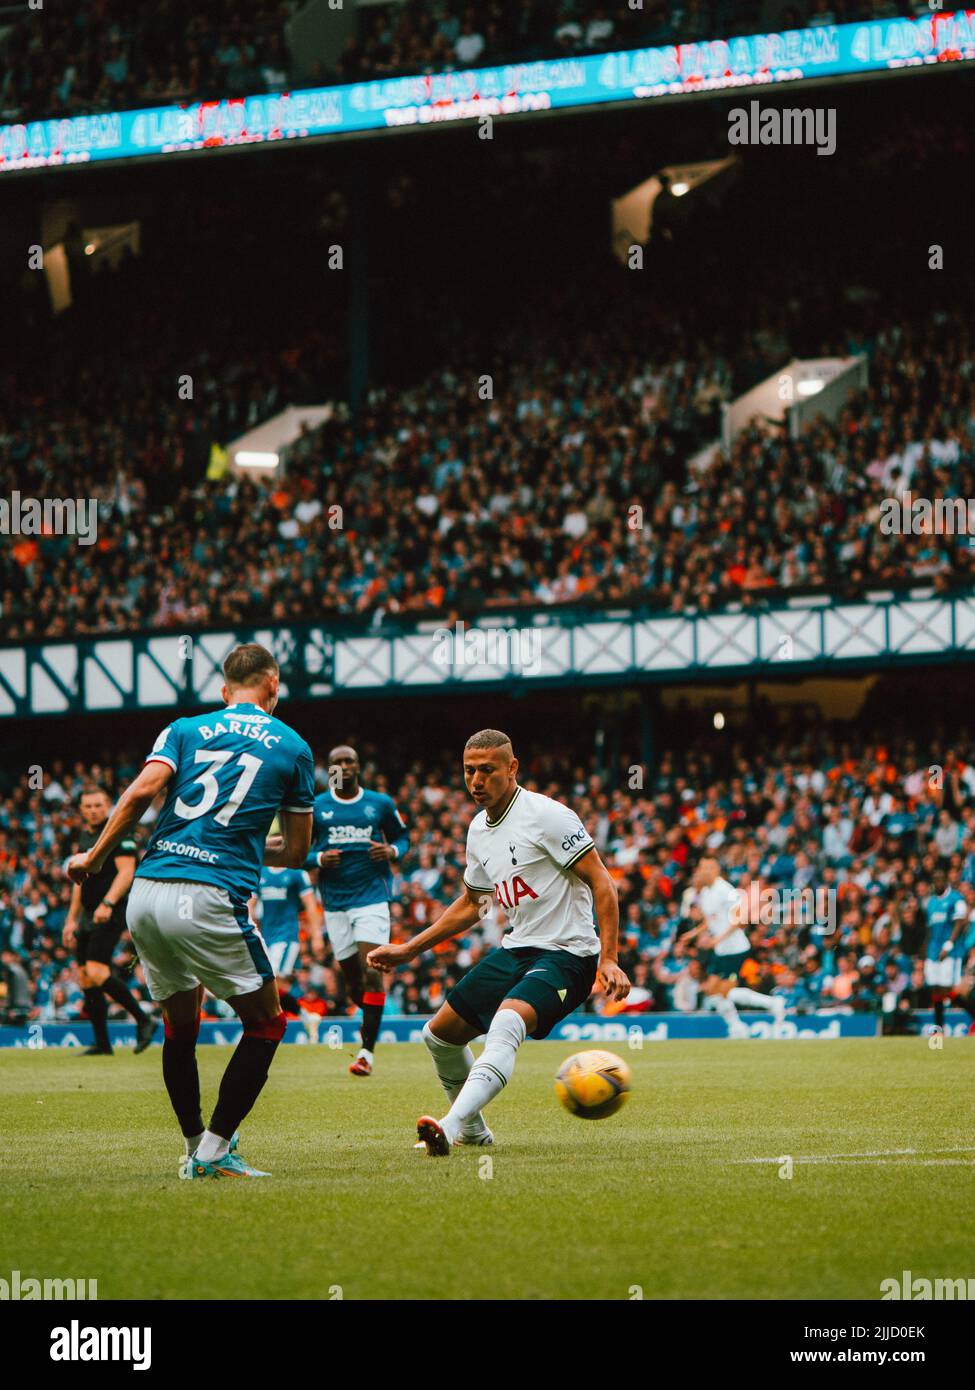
[{"x": 96, "y": 941}]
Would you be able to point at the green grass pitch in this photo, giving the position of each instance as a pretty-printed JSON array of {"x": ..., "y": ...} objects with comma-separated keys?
[{"x": 659, "y": 1196}]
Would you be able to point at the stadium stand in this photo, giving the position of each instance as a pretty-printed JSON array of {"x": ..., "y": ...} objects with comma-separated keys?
[
  {"x": 419, "y": 37},
  {"x": 451, "y": 508},
  {"x": 108, "y": 55},
  {"x": 855, "y": 810},
  {"x": 103, "y": 55}
]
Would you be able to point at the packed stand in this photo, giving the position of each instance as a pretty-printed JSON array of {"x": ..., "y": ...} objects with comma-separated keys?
[
  {"x": 106, "y": 55},
  {"x": 110, "y": 55},
  {"x": 579, "y": 484},
  {"x": 873, "y": 820},
  {"x": 421, "y": 37}
]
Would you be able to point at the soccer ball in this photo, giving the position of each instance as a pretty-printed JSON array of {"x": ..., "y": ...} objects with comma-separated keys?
[{"x": 592, "y": 1085}]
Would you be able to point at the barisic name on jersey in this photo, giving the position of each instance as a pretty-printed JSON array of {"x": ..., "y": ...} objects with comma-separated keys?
[
  {"x": 525, "y": 859},
  {"x": 237, "y": 726}
]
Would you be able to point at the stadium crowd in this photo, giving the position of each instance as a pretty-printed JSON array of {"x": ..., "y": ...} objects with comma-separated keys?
[
  {"x": 871, "y": 819},
  {"x": 106, "y": 55},
  {"x": 396, "y": 40},
  {"x": 101, "y": 55},
  {"x": 580, "y": 482}
]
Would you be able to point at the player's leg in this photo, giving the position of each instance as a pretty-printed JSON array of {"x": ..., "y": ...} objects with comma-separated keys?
[
  {"x": 219, "y": 942},
  {"x": 338, "y": 928},
  {"x": 751, "y": 999},
  {"x": 937, "y": 975},
  {"x": 181, "y": 1028},
  {"x": 95, "y": 1005},
  {"x": 354, "y": 969},
  {"x": 243, "y": 1080},
  {"x": 373, "y": 995},
  {"x": 104, "y": 940},
  {"x": 192, "y": 934},
  {"x": 490, "y": 1073},
  {"x": 544, "y": 986},
  {"x": 717, "y": 989},
  {"x": 447, "y": 1037},
  {"x": 362, "y": 929},
  {"x": 353, "y": 935},
  {"x": 179, "y": 994},
  {"x": 467, "y": 1013}
]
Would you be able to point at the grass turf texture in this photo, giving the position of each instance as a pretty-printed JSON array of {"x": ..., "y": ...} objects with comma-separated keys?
[{"x": 652, "y": 1196}]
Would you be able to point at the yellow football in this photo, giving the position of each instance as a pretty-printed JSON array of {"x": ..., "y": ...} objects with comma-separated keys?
[{"x": 592, "y": 1085}]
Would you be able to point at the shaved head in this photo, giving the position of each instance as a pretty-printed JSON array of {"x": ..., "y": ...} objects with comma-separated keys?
[
  {"x": 343, "y": 750},
  {"x": 488, "y": 738}
]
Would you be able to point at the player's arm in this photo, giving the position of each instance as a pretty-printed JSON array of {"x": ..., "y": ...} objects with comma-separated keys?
[
  {"x": 129, "y": 810},
  {"x": 461, "y": 915},
  {"x": 691, "y": 912},
  {"x": 593, "y": 872},
  {"x": 694, "y": 932},
  {"x": 120, "y": 885},
  {"x": 70, "y": 932},
  {"x": 961, "y": 923},
  {"x": 318, "y": 858},
  {"x": 289, "y": 850},
  {"x": 733, "y": 925},
  {"x": 397, "y": 838}
]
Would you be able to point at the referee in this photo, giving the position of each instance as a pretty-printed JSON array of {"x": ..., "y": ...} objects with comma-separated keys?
[{"x": 96, "y": 921}]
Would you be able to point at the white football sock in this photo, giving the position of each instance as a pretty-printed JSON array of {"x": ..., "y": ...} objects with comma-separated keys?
[
  {"x": 192, "y": 1143},
  {"x": 364, "y": 1052},
  {"x": 211, "y": 1147},
  {"x": 453, "y": 1065},
  {"x": 490, "y": 1073},
  {"x": 740, "y": 995},
  {"x": 726, "y": 1008}
]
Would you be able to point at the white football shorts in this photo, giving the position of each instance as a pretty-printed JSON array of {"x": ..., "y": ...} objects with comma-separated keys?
[
  {"x": 283, "y": 956},
  {"x": 346, "y": 929},
  {"x": 942, "y": 974},
  {"x": 191, "y": 934}
]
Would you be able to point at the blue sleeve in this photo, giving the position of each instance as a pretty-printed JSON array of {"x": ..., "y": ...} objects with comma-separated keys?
[
  {"x": 317, "y": 836},
  {"x": 394, "y": 827},
  {"x": 168, "y": 746},
  {"x": 298, "y": 882},
  {"x": 300, "y": 794}
]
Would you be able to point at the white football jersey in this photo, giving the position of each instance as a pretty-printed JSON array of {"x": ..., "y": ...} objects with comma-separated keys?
[
  {"x": 716, "y": 903},
  {"x": 524, "y": 860}
]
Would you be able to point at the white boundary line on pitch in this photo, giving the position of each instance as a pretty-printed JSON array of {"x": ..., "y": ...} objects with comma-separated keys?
[{"x": 872, "y": 1156}]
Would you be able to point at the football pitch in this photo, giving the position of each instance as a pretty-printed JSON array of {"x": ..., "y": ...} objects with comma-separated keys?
[{"x": 681, "y": 1195}]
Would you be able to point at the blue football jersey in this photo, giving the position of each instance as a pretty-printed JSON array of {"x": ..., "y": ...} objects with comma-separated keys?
[
  {"x": 349, "y": 826},
  {"x": 234, "y": 769},
  {"x": 942, "y": 914},
  {"x": 280, "y": 893}
]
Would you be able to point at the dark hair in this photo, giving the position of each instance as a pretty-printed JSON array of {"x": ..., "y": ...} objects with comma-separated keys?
[
  {"x": 246, "y": 662},
  {"x": 488, "y": 738},
  {"x": 94, "y": 789}
]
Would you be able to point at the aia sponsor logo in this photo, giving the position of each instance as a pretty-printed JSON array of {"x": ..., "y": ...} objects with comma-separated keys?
[{"x": 509, "y": 892}]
